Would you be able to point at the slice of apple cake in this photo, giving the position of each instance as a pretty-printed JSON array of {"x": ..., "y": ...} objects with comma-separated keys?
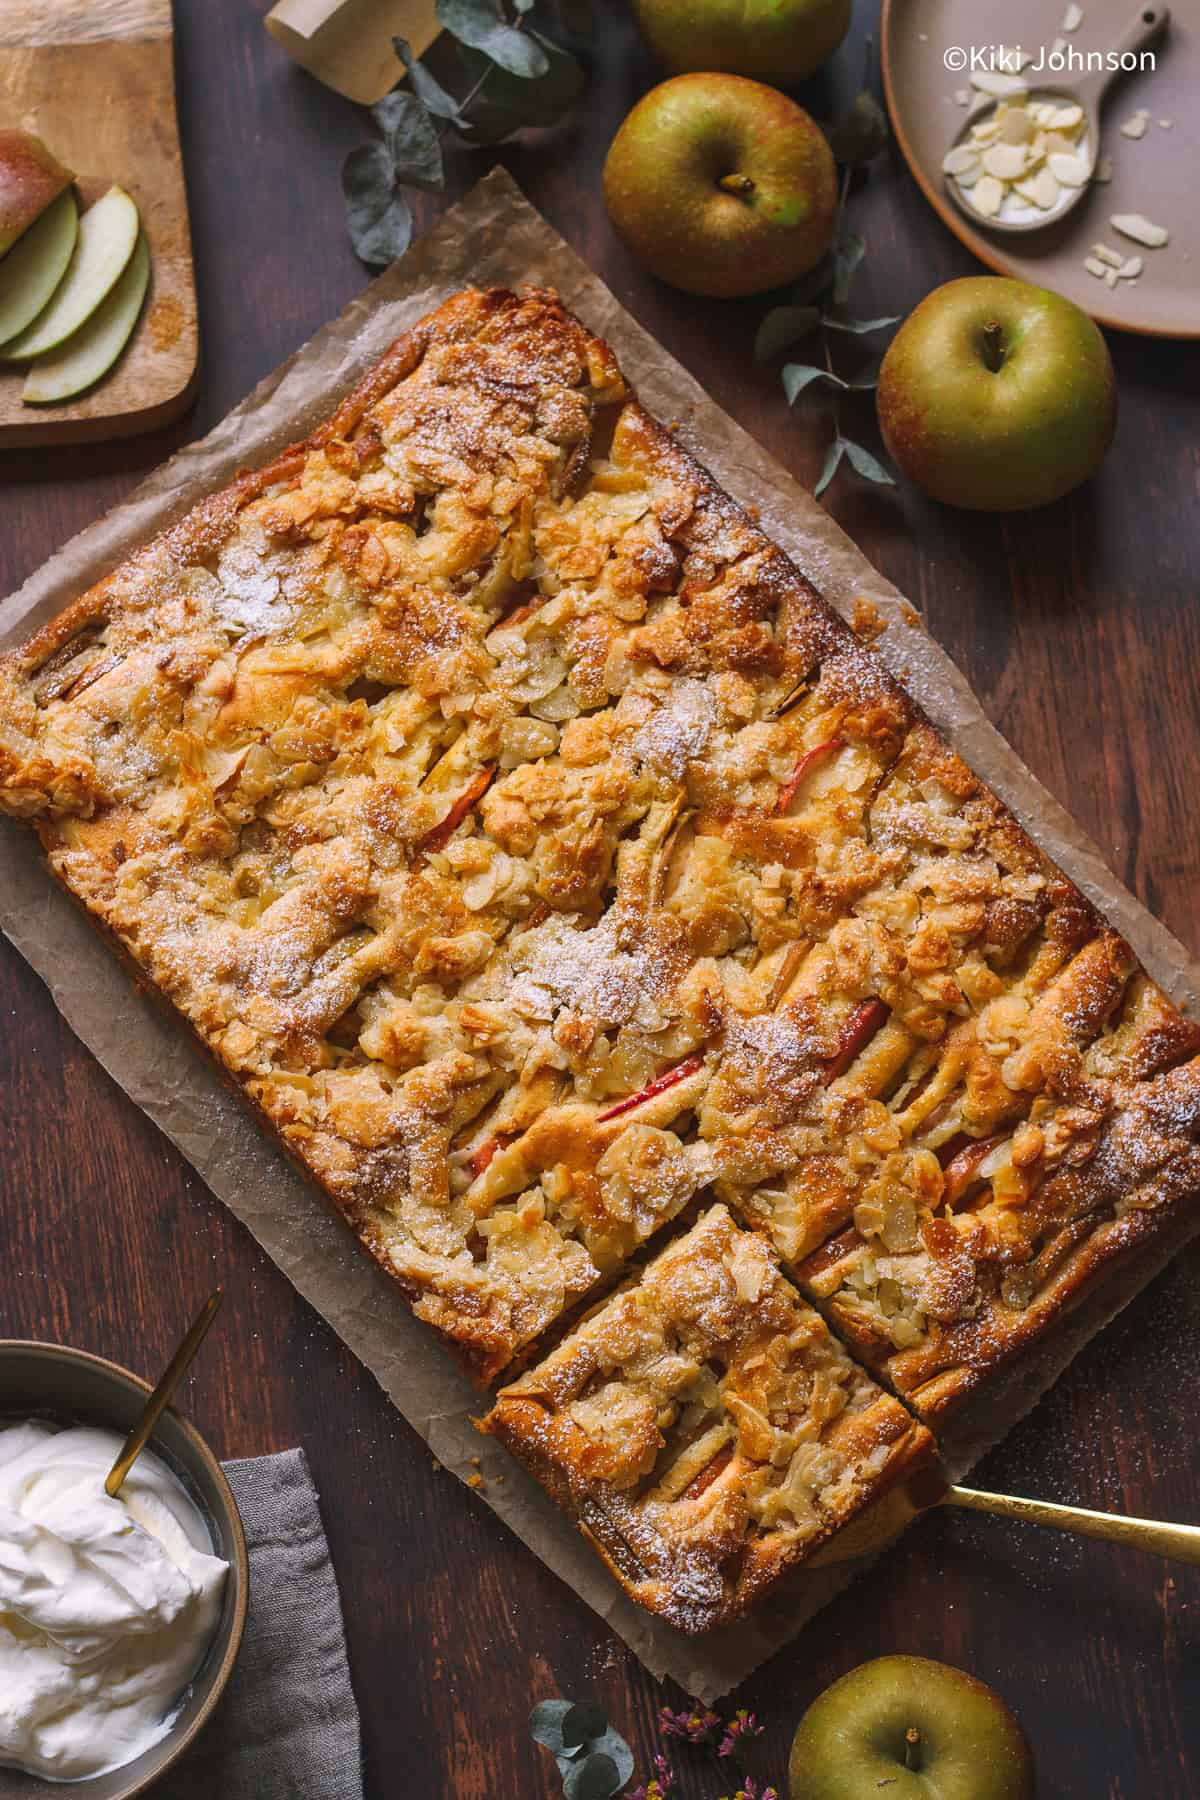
[{"x": 706, "y": 1430}]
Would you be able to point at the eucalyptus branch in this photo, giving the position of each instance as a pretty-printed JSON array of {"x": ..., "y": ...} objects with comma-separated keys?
[
  {"x": 819, "y": 304},
  {"x": 518, "y": 76}
]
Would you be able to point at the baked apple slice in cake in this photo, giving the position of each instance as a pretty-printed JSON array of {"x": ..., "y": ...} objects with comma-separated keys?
[{"x": 705, "y": 1429}]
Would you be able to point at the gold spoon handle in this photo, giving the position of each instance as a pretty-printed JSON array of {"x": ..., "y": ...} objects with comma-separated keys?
[
  {"x": 1181, "y": 1542},
  {"x": 160, "y": 1399}
]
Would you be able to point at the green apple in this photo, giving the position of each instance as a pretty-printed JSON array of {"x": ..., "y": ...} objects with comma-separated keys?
[
  {"x": 108, "y": 232},
  {"x": 91, "y": 351},
  {"x": 780, "y": 41},
  {"x": 721, "y": 185},
  {"x": 36, "y": 264},
  {"x": 913, "y": 1729},
  {"x": 997, "y": 395},
  {"x": 30, "y": 178}
]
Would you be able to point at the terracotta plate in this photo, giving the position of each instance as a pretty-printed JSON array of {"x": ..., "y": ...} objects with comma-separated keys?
[{"x": 1156, "y": 175}]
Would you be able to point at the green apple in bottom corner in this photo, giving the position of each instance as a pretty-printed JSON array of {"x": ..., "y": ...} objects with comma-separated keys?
[
  {"x": 997, "y": 395},
  {"x": 37, "y": 263},
  {"x": 778, "y": 41},
  {"x": 721, "y": 186},
  {"x": 91, "y": 351},
  {"x": 913, "y": 1730},
  {"x": 108, "y": 232}
]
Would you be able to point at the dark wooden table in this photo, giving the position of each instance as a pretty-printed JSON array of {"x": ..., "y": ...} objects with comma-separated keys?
[{"x": 1080, "y": 630}]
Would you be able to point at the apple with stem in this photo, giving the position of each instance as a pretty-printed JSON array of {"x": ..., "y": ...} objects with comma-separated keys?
[
  {"x": 914, "y": 1730},
  {"x": 996, "y": 395},
  {"x": 721, "y": 186}
]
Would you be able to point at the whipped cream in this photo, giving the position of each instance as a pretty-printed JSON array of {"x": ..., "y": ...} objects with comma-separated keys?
[{"x": 106, "y": 1606}]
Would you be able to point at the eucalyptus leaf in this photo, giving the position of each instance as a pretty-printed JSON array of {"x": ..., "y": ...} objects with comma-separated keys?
[
  {"x": 781, "y": 327},
  {"x": 847, "y": 255},
  {"x": 861, "y": 135},
  {"x": 595, "y": 1777},
  {"x": 428, "y": 90},
  {"x": 377, "y": 215},
  {"x": 611, "y": 1743},
  {"x": 858, "y": 326},
  {"x": 545, "y": 1723},
  {"x": 797, "y": 376},
  {"x": 412, "y": 140},
  {"x": 506, "y": 104},
  {"x": 583, "y": 1722},
  {"x": 480, "y": 24},
  {"x": 866, "y": 465},
  {"x": 829, "y": 467}
]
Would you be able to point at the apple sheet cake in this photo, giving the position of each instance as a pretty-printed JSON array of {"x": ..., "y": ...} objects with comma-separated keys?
[{"x": 542, "y": 857}]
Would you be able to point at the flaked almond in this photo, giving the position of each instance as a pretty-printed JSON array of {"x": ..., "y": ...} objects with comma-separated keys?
[
  {"x": 1069, "y": 171},
  {"x": 1129, "y": 271},
  {"x": 961, "y": 160},
  {"x": 1112, "y": 259},
  {"x": 1016, "y": 127},
  {"x": 987, "y": 196},
  {"x": 1005, "y": 161},
  {"x": 1041, "y": 190},
  {"x": 1066, "y": 118},
  {"x": 1134, "y": 127},
  {"x": 1140, "y": 229},
  {"x": 1072, "y": 18},
  {"x": 1095, "y": 267},
  {"x": 1002, "y": 87},
  {"x": 1111, "y": 277}
]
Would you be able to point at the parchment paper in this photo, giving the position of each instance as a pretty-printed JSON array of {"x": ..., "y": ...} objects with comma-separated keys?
[{"x": 495, "y": 236}]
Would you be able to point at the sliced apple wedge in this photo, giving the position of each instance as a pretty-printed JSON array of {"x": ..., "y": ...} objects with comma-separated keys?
[
  {"x": 108, "y": 232},
  {"x": 92, "y": 350},
  {"x": 32, "y": 270}
]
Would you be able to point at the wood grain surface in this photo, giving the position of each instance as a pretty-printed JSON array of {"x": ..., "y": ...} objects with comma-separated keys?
[
  {"x": 106, "y": 107},
  {"x": 1080, "y": 630}
]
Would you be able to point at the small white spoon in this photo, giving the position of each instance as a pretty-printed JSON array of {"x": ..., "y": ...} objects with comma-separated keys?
[{"x": 1087, "y": 92}]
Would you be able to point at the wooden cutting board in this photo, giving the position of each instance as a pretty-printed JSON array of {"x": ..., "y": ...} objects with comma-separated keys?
[{"x": 95, "y": 79}]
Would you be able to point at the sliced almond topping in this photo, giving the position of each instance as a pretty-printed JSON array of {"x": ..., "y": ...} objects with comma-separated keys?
[
  {"x": 1140, "y": 229},
  {"x": 1073, "y": 17},
  {"x": 1111, "y": 258},
  {"x": 1111, "y": 277},
  {"x": 1016, "y": 127},
  {"x": 1041, "y": 190},
  {"x": 1005, "y": 161},
  {"x": 1065, "y": 118},
  {"x": 1134, "y": 127},
  {"x": 1003, "y": 87},
  {"x": 1129, "y": 271},
  {"x": 1165, "y": 124},
  {"x": 1059, "y": 47},
  {"x": 1070, "y": 171},
  {"x": 1095, "y": 267},
  {"x": 961, "y": 160},
  {"x": 987, "y": 195}
]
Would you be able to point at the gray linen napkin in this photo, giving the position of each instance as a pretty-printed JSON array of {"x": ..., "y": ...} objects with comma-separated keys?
[{"x": 287, "y": 1727}]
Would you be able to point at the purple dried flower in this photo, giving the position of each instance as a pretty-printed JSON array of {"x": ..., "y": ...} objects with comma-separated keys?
[
  {"x": 741, "y": 1728},
  {"x": 750, "y": 1790},
  {"x": 696, "y": 1727},
  {"x": 661, "y": 1787}
]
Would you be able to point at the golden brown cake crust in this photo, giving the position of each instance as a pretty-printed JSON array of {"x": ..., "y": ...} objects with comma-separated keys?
[
  {"x": 535, "y": 850},
  {"x": 705, "y": 1429}
]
